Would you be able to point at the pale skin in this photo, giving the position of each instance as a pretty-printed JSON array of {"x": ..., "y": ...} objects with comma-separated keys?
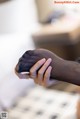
[{"x": 43, "y": 76}]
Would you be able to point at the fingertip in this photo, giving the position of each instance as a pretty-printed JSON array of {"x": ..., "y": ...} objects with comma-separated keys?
[
  {"x": 50, "y": 59},
  {"x": 49, "y": 68},
  {"x": 47, "y": 74},
  {"x": 43, "y": 60}
]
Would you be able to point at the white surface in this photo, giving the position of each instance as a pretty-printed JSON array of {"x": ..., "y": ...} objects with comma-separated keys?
[
  {"x": 18, "y": 16},
  {"x": 11, "y": 49},
  {"x": 49, "y": 102},
  {"x": 17, "y": 22}
]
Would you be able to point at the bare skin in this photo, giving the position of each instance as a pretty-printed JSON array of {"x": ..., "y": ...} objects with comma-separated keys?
[{"x": 44, "y": 66}]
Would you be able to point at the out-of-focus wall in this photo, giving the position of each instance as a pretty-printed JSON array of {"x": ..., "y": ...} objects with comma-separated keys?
[
  {"x": 17, "y": 21},
  {"x": 44, "y": 7},
  {"x": 8, "y": 17},
  {"x": 17, "y": 16}
]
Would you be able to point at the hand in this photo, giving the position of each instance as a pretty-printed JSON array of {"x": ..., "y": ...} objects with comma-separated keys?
[
  {"x": 42, "y": 77},
  {"x": 30, "y": 58},
  {"x": 62, "y": 70}
]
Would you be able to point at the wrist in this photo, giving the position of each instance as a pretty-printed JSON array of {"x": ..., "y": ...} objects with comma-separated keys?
[{"x": 72, "y": 74}]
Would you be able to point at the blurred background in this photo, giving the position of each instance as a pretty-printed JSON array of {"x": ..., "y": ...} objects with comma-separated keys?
[{"x": 30, "y": 24}]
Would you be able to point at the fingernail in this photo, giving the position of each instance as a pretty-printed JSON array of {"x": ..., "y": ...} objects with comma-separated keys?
[
  {"x": 50, "y": 67},
  {"x": 50, "y": 59},
  {"x": 43, "y": 59}
]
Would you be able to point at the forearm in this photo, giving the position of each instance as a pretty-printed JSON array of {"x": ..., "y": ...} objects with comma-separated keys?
[
  {"x": 73, "y": 72},
  {"x": 70, "y": 72}
]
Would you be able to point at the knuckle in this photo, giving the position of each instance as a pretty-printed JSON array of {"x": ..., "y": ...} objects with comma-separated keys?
[
  {"x": 33, "y": 75},
  {"x": 46, "y": 76},
  {"x": 40, "y": 73},
  {"x": 31, "y": 71}
]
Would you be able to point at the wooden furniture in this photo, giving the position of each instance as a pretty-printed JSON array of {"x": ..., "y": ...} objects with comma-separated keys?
[{"x": 62, "y": 37}]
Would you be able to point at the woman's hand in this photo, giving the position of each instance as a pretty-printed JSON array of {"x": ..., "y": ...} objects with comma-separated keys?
[
  {"x": 41, "y": 70},
  {"x": 30, "y": 58},
  {"x": 42, "y": 77}
]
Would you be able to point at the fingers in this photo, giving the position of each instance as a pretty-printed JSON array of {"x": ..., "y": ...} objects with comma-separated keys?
[
  {"x": 42, "y": 70},
  {"x": 46, "y": 81},
  {"x": 43, "y": 75},
  {"x": 34, "y": 69}
]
